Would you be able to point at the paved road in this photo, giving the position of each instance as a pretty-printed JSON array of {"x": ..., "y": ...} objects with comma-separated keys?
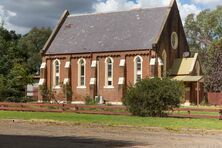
[{"x": 23, "y": 134}]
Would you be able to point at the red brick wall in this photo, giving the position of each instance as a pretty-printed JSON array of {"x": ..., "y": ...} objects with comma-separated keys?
[
  {"x": 215, "y": 98},
  {"x": 110, "y": 94}
]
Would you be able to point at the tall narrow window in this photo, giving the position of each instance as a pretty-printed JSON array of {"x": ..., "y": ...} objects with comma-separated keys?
[
  {"x": 81, "y": 71},
  {"x": 56, "y": 73},
  {"x": 137, "y": 69},
  {"x": 164, "y": 68},
  {"x": 109, "y": 72}
]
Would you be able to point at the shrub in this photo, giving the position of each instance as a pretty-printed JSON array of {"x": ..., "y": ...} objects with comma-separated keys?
[
  {"x": 90, "y": 101},
  {"x": 46, "y": 93},
  {"x": 67, "y": 90},
  {"x": 152, "y": 97},
  {"x": 20, "y": 100}
]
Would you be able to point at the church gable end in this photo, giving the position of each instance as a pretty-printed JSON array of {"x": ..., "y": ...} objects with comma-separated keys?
[{"x": 172, "y": 33}]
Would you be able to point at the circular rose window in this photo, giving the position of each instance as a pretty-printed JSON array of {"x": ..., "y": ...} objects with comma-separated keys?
[{"x": 174, "y": 40}]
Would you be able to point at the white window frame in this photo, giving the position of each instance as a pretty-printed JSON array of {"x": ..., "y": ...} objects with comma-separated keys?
[
  {"x": 56, "y": 74},
  {"x": 106, "y": 73},
  {"x": 136, "y": 72},
  {"x": 174, "y": 46},
  {"x": 79, "y": 73}
]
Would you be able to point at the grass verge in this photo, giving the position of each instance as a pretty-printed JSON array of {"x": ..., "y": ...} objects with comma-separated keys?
[{"x": 168, "y": 123}]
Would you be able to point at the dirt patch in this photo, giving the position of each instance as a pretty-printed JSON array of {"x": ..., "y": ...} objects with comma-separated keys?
[{"x": 50, "y": 134}]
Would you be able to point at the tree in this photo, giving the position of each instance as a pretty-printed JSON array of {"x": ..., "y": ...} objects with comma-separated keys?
[
  {"x": 30, "y": 45},
  {"x": 152, "y": 97},
  {"x": 2, "y": 87},
  {"x": 17, "y": 79},
  {"x": 213, "y": 80},
  {"x": 20, "y": 58},
  {"x": 202, "y": 30}
]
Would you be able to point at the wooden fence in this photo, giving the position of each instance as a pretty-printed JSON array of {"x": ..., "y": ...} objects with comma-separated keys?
[
  {"x": 106, "y": 110},
  {"x": 86, "y": 109},
  {"x": 195, "y": 113}
]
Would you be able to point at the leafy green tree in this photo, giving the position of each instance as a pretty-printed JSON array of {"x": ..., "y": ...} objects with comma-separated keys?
[
  {"x": 2, "y": 87},
  {"x": 202, "y": 30},
  {"x": 17, "y": 79},
  {"x": 30, "y": 45},
  {"x": 8, "y": 46},
  {"x": 20, "y": 58},
  {"x": 213, "y": 80}
]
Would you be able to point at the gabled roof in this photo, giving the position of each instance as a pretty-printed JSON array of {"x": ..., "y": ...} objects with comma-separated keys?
[
  {"x": 183, "y": 66},
  {"x": 116, "y": 31}
]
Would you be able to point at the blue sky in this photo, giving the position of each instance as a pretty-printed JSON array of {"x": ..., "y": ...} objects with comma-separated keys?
[
  {"x": 186, "y": 1},
  {"x": 22, "y": 15}
]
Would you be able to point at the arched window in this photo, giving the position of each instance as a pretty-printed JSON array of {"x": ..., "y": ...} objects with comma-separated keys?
[
  {"x": 137, "y": 68},
  {"x": 56, "y": 79},
  {"x": 197, "y": 68},
  {"x": 164, "y": 59},
  {"x": 81, "y": 72},
  {"x": 109, "y": 72}
]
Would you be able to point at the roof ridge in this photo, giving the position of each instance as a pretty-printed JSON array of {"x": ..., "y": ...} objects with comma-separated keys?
[{"x": 111, "y": 12}]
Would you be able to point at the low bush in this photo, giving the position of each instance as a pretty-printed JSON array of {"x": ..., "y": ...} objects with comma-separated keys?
[
  {"x": 20, "y": 100},
  {"x": 152, "y": 97},
  {"x": 46, "y": 93},
  {"x": 67, "y": 91},
  {"x": 90, "y": 101}
]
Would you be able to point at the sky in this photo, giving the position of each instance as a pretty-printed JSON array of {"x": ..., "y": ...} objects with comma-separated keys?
[{"x": 22, "y": 15}]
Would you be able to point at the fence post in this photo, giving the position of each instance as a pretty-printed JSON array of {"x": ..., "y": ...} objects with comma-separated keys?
[
  {"x": 63, "y": 107},
  {"x": 76, "y": 108},
  {"x": 189, "y": 113},
  {"x": 220, "y": 114}
]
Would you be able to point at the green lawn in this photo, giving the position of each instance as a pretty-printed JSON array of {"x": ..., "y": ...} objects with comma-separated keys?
[
  {"x": 169, "y": 123},
  {"x": 196, "y": 113}
]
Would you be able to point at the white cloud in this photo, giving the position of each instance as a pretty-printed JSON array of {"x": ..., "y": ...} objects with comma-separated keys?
[
  {"x": 4, "y": 20},
  {"x": 114, "y": 5},
  {"x": 211, "y": 2},
  {"x": 186, "y": 9},
  {"x": 118, "y": 5},
  {"x": 153, "y": 3}
]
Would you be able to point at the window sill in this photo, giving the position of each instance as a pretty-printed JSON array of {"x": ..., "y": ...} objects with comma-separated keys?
[
  {"x": 108, "y": 87},
  {"x": 81, "y": 87}
]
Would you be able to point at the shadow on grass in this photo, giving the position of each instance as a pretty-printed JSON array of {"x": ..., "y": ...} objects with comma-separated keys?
[{"x": 14, "y": 141}]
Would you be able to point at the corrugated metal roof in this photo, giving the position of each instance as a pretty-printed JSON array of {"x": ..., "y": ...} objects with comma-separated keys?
[
  {"x": 126, "y": 30},
  {"x": 182, "y": 66}
]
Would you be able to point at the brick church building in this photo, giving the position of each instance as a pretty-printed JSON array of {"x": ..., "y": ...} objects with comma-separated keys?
[{"x": 100, "y": 54}]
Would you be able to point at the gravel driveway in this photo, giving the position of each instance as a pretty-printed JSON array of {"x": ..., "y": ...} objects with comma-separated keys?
[{"x": 32, "y": 134}]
